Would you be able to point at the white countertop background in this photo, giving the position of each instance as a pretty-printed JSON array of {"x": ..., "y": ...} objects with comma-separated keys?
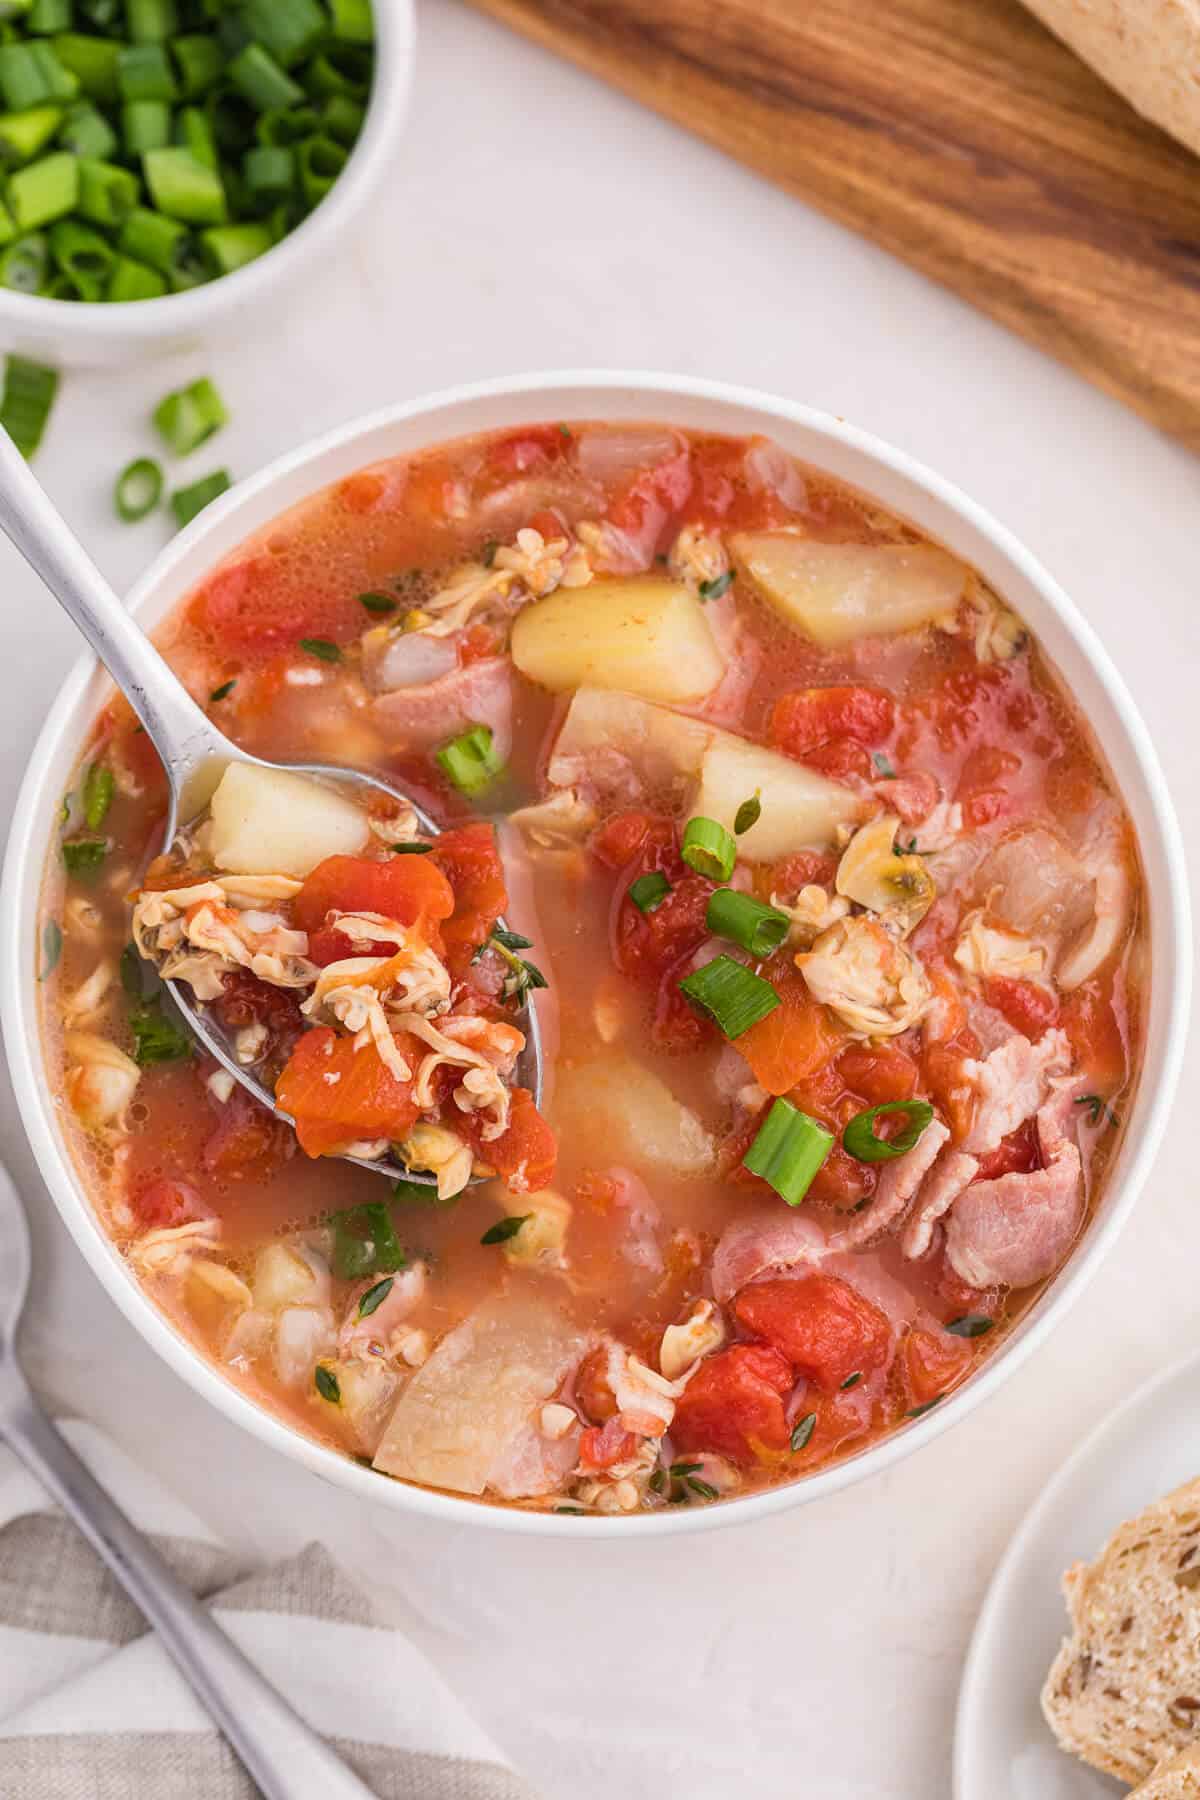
[{"x": 536, "y": 220}]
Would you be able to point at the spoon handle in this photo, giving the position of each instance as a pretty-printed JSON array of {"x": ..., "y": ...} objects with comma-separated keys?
[
  {"x": 278, "y": 1749},
  {"x": 181, "y": 733}
]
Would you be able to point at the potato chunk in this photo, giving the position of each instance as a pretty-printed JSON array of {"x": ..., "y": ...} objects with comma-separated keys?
[
  {"x": 836, "y": 592},
  {"x": 801, "y": 809},
  {"x": 606, "y": 734},
  {"x": 268, "y": 822},
  {"x": 643, "y": 635},
  {"x": 634, "y": 1115}
]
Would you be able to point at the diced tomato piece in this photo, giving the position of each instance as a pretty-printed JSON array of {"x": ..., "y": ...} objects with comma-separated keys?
[
  {"x": 408, "y": 889},
  {"x": 677, "y": 1025},
  {"x": 733, "y": 1405},
  {"x": 880, "y": 1074},
  {"x": 957, "y": 1298},
  {"x": 329, "y": 945},
  {"x": 252, "y": 608},
  {"x": 602, "y": 1446},
  {"x": 245, "y": 1000},
  {"x": 800, "y": 1036},
  {"x": 801, "y": 721},
  {"x": 548, "y": 523},
  {"x": 363, "y": 1101},
  {"x": 627, "y": 835},
  {"x": 361, "y": 492},
  {"x": 842, "y": 1181},
  {"x": 912, "y": 796},
  {"x": 651, "y": 498},
  {"x": 984, "y": 785},
  {"x": 931, "y": 1363},
  {"x": 1028, "y": 1007},
  {"x": 841, "y": 759},
  {"x": 480, "y": 642},
  {"x": 1018, "y": 1154},
  {"x": 821, "y": 1325},
  {"x": 804, "y": 868},
  {"x": 525, "y": 1156},
  {"x": 468, "y": 856},
  {"x": 651, "y": 944},
  {"x": 249, "y": 1142},
  {"x": 167, "y": 1202},
  {"x": 1098, "y": 1036},
  {"x": 840, "y": 1418}
]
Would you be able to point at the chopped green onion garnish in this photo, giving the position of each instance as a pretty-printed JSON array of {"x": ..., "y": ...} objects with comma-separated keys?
[
  {"x": 107, "y": 192},
  {"x": 649, "y": 891},
  {"x": 84, "y": 256},
  {"x": 505, "y": 1229},
  {"x": 23, "y": 134},
  {"x": 93, "y": 61},
  {"x": 748, "y": 814},
  {"x": 48, "y": 16},
  {"x": 320, "y": 161},
  {"x": 378, "y": 603},
  {"x": 200, "y": 63},
  {"x": 747, "y": 922},
  {"x": 352, "y": 21},
  {"x": 86, "y": 132},
  {"x": 788, "y": 1151},
  {"x": 230, "y": 247},
  {"x": 420, "y": 1193},
  {"x": 187, "y": 502},
  {"x": 733, "y": 996},
  {"x": 859, "y": 1136},
  {"x": 134, "y": 281},
  {"x": 29, "y": 390},
  {"x": 145, "y": 125},
  {"x": 138, "y": 490},
  {"x": 256, "y": 74},
  {"x": 157, "y": 1037},
  {"x": 327, "y": 1385},
  {"x": 290, "y": 29},
  {"x": 190, "y": 416},
  {"x": 44, "y": 190},
  {"x": 98, "y": 790},
  {"x": 709, "y": 849},
  {"x": 971, "y": 1325},
  {"x": 184, "y": 188},
  {"x": 23, "y": 265},
  {"x": 470, "y": 762}
]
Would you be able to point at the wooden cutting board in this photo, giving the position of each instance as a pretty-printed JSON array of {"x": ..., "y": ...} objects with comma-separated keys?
[{"x": 961, "y": 136}]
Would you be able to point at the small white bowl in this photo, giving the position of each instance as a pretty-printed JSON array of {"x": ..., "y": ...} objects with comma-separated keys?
[
  {"x": 853, "y": 456},
  {"x": 93, "y": 334}
]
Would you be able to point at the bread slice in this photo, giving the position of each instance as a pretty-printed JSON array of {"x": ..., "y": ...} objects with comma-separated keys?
[
  {"x": 1124, "y": 1690},
  {"x": 1149, "y": 50},
  {"x": 1178, "y": 1779}
]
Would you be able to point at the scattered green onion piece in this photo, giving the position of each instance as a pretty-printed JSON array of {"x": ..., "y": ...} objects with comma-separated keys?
[
  {"x": 747, "y": 922},
  {"x": 29, "y": 390},
  {"x": 23, "y": 266},
  {"x": 135, "y": 281},
  {"x": 138, "y": 490},
  {"x": 340, "y": 69},
  {"x": 788, "y": 1151},
  {"x": 145, "y": 125},
  {"x": 45, "y": 17},
  {"x": 270, "y": 173},
  {"x": 191, "y": 415},
  {"x": 200, "y": 64},
  {"x": 470, "y": 761},
  {"x": 151, "y": 21},
  {"x": 44, "y": 190},
  {"x": 31, "y": 74},
  {"x": 194, "y": 133},
  {"x": 164, "y": 244},
  {"x": 84, "y": 256},
  {"x": 144, "y": 72},
  {"x": 98, "y": 790},
  {"x": 283, "y": 127},
  {"x": 649, "y": 891},
  {"x": 223, "y": 692},
  {"x": 105, "y": 15},
  {"x": 82, "y": 855},
  {"x": 412, "y": 849},
  {"x": 256, "y": 74},
  {"x": 970, "y": 1325},
  {"x": 802, "y": 1431},
  {"x": 187, "y": 502},
  {"x": 709, "y": 849},
  {"x": 365, "y": 1242},
  {"x": 733, "y": 996},
  {"x": 183, "y": 188},
  {"x": 23, "y": 134},
  {"x": 230, "y": 247},
  {"x": 378, "y": 603},
  {"x": 157, "y": 1037},
  {"x": 86, "y": 132},
  {"x": 290, "y": 29},
  {"x": 8, "y": 230},
  {"x": 859, "y": 1136},
  {"x": 321, "y": 161},
  {"x": 421, "y": 1193},
  {"x": 342, "y": 118},
  {"x": 322, "y": 648},
  {"x": 505, "y": 1229},
  {"x": 107, "y": 192},
  {"x": 231, "y": 119},
  {"x": 720, "y": 584},
  {"x": 93, "y": 61},
  {"x": 327, "y": 1385},
  {"x": 748, "y": 814},
  {"x": 353, "y": 21},
  {"x": 52, "y": 946}
]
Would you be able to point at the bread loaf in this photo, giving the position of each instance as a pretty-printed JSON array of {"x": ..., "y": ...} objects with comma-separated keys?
[
  {"x": 1177, "y": 1779},
  {"x": 1149, "y": 50},
  {"x": 1124, "y": 1690}
]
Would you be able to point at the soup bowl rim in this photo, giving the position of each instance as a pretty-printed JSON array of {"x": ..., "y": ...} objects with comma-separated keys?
[{"x": 883, "y": 471}]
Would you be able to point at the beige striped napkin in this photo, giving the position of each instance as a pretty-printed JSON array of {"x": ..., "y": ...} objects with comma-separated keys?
[{"x": 92, "y": 1709}]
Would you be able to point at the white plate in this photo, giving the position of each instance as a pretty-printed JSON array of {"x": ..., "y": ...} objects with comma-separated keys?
[{"x": 1003, "y": 1748}]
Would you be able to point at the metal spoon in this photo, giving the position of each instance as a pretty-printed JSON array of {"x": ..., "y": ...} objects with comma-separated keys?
[
  {"x": 279, "y": 1750},
  {"x": 194, "y": 753}
]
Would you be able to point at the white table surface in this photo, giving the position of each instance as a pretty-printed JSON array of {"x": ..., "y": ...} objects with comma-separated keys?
[{"x": 538, "y": 219}]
